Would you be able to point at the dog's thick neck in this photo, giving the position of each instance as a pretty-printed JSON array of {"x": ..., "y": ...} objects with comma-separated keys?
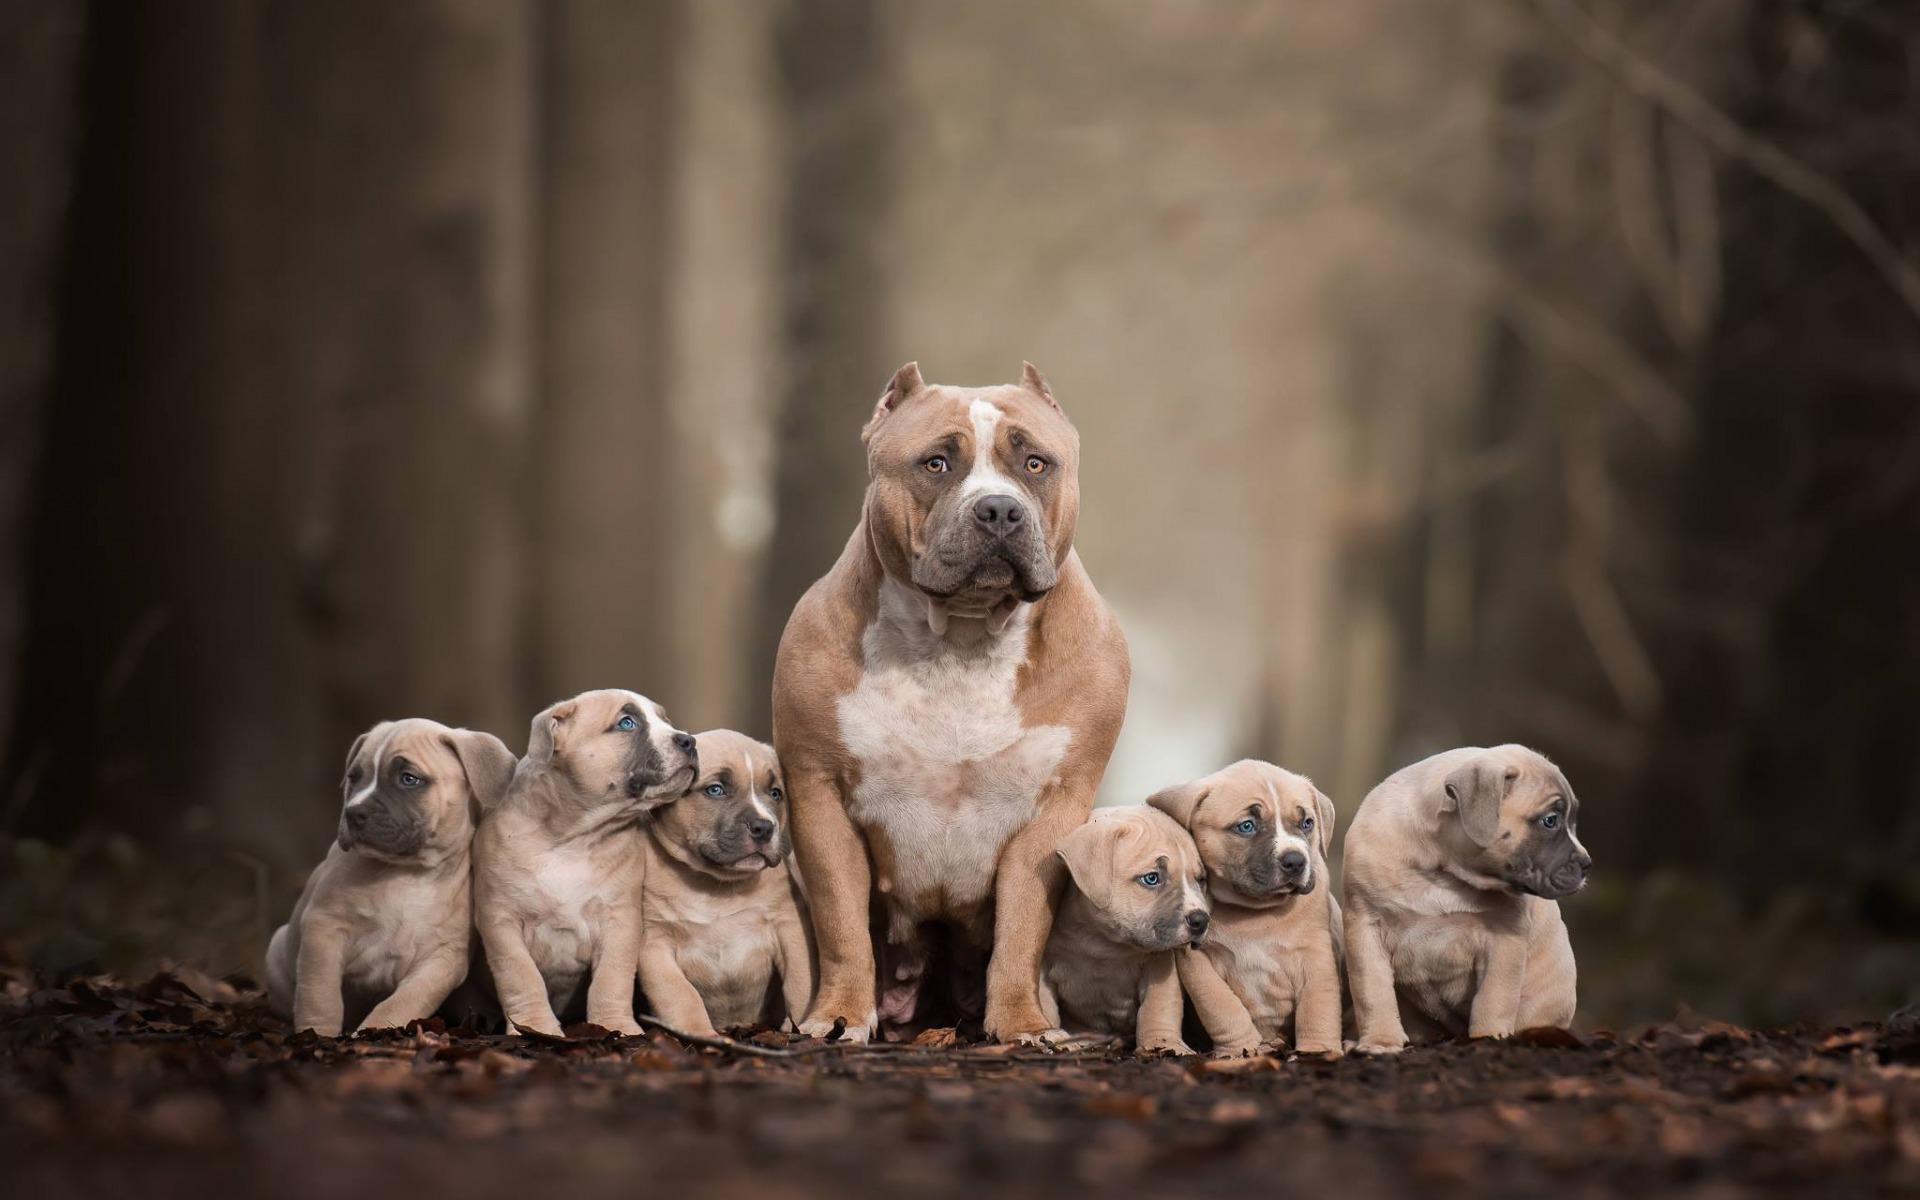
[{"x": 922, "y": 626}]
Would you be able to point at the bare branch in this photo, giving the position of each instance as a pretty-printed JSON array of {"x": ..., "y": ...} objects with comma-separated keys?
[{"x": 1735, "y": 141}]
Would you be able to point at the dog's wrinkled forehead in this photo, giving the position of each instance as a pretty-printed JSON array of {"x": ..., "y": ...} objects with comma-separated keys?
[
  {"x": 747, "y": 766},
  {"x": 604, "y": 708},
  {"x": 1252, "y": 786},
  {"x": 964, "y": 418},
  {"x": 1141, "y": 838},
  {"x": 416, "y": 741}
]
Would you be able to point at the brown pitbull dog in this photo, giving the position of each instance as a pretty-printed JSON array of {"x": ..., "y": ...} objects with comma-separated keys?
[
  {"x": 1270, "y": 967},
  {"x": 558, "y": 865},
  {"x": 1454, "y": 867},
  {"x": 1139, "y": 895},
  {"x": 382, "y": 931},
  {"x": 945, "y": 701},
  {"x": 722, "y": 914}
]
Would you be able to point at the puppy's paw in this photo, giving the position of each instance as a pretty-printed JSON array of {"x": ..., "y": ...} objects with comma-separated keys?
[
  {"x": 1174, "y": 1046},
  {"x": 1050, "y": 1039},
  {"x": 1365, "y": 1046},
  {"x": 535, "y": 1028},
  {"x": 839, "y": 1030},
  {"x": 1330, "y": 1049},
  {"x": 1237, "y": 1049}
]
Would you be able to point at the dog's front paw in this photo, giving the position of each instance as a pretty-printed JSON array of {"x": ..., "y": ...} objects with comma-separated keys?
[
  {"x": 535, "y": 1027},
  {"x": 1367, "y": 1046},
  {"x": 838, "y": 1029},
  {"x": 1045, "y": 1039},
  {"x": 1165, "y": 1046},
  {"x": 1330, "y": 1049}
]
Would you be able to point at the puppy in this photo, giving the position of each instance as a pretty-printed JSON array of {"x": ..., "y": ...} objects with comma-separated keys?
[
  {"x": 722, "y": 912},
  {"x": 382, "y": 931},
  {"x": 1270, "y": 959},
  {"x": 1138, "y": 895},
  {"x": 1453, "y": 866},
  {"x": 558, "y": 866}
]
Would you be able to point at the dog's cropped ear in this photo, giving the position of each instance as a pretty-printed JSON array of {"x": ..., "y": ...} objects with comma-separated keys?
[
  {"x": 1085, "y": 850},
  {"x": 488, "y": 764},
  {"x": 1032, "y": 380},
  {"x": 1323, "y": 821},
  {"x": 905, "y": 382},
  {"x": 1475, "y": 792},
  {"x": 548, "y": 732},
  {"x": 1180, "y": 801}
]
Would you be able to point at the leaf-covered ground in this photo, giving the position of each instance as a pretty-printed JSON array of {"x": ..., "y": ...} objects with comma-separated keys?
[{"x": 183, "y": 1085}]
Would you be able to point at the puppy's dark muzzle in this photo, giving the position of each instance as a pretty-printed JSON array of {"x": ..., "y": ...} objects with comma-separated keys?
[{"x": 376, "y": 826}]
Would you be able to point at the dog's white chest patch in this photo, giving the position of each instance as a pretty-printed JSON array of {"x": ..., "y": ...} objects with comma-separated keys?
[{"x": 948, "y": 771}]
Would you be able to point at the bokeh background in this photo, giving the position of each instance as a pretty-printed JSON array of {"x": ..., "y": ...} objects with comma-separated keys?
[{"x": 1536, "y": 370}]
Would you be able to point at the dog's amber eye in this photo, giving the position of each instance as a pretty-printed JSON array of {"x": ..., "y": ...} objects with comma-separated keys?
[
  {"x": 937, "y": 465},
  {"x": 1036, "y": 465}
]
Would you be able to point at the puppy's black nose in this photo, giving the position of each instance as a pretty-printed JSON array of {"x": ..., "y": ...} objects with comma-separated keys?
[
  {"x": 760, "y": 828},
  {"x": 1293, "y": 862},
  {"x": 999, "y": 515},
  {"x": 684, "y": 743},
  {"x": 1197, "y": 921}
]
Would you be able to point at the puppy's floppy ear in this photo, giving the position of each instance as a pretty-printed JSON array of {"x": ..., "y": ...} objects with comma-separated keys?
[
  {"x": 353, "y": 751},
  {"x": 905, "y": 382},
  {"x": 546, "y": 734},
  {"x": 1475, "y": 792},
  {"x": 1085, "y": 851},
  {"x": 1181, "y": 801},
  {"x": 488, "y": 764},
  {"x": 1032, "y": 380},
  {"x": 1323, "y": 822}
]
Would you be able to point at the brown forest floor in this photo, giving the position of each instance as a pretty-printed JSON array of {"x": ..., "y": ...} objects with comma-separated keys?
[{"x": 182, "y": 1085}]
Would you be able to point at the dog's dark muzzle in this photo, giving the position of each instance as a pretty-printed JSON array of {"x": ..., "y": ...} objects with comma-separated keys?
[{"x": 379, "y": 826}]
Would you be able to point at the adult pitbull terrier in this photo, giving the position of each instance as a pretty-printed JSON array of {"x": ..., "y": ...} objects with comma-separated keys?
[
  {"x": 382, "y": 931},
  {"x": 1139, "y": 894},
  {"x": 945, "y": 700},
  {"x": 1271, "y": 960},
  {"x": 1453, "y": 869},
  {"x": 558, "y": 865},
  {"x": 722, "y": 913}
]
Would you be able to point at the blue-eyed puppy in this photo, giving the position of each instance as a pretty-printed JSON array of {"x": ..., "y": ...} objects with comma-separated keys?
[
  {"x": 723, "y": 911},
  {"x": 558, "y": 865},
  {"x": 1270, "y": 967},
  {"x": 1138, "y": 896},
  {"x": 381, "y": 933}
]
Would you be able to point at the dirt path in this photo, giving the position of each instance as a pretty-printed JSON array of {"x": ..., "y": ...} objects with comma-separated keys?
[{"x": 183, "y": 1086}]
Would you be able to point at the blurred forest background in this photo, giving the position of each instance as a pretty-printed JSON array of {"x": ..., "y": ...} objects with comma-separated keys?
[{"x": 1535, "y": 370}]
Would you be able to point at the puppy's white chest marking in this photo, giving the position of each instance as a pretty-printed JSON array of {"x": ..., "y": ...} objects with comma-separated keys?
[
  {"x": 948, "y": 771},
  {"x": 563, "y": 925}
]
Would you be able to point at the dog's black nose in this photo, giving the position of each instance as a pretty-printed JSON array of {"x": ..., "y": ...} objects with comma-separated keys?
[
  {"x": 1197, "y": 921},
  {"x": 684, "y": 743},
  {"x": 999, "y": 515},
  {"x": 760, "y": 828},
  {"x": 1293, "y": 862}
]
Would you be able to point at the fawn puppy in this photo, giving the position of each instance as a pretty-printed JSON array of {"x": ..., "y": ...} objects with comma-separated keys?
[
  {"x": 1454, "y": 867},
  {"x": 1138, "y": 895},
  {"x": 1270, "y": 965},
  {"x": 722, "y": 910},
  {"x": 382, "y": 931},
  {"x": 558, "y": 865}
]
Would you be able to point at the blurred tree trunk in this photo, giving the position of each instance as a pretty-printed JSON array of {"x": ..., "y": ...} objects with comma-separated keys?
[
  {"x": 399, "y": 200},
  {"x": 282, "y": 486},
  {"x": 725, "y": 370},
  {"x": 606, "y": 513},
  {"x": 834, "y": 59},
  {"x": 39, "y": 98}
]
